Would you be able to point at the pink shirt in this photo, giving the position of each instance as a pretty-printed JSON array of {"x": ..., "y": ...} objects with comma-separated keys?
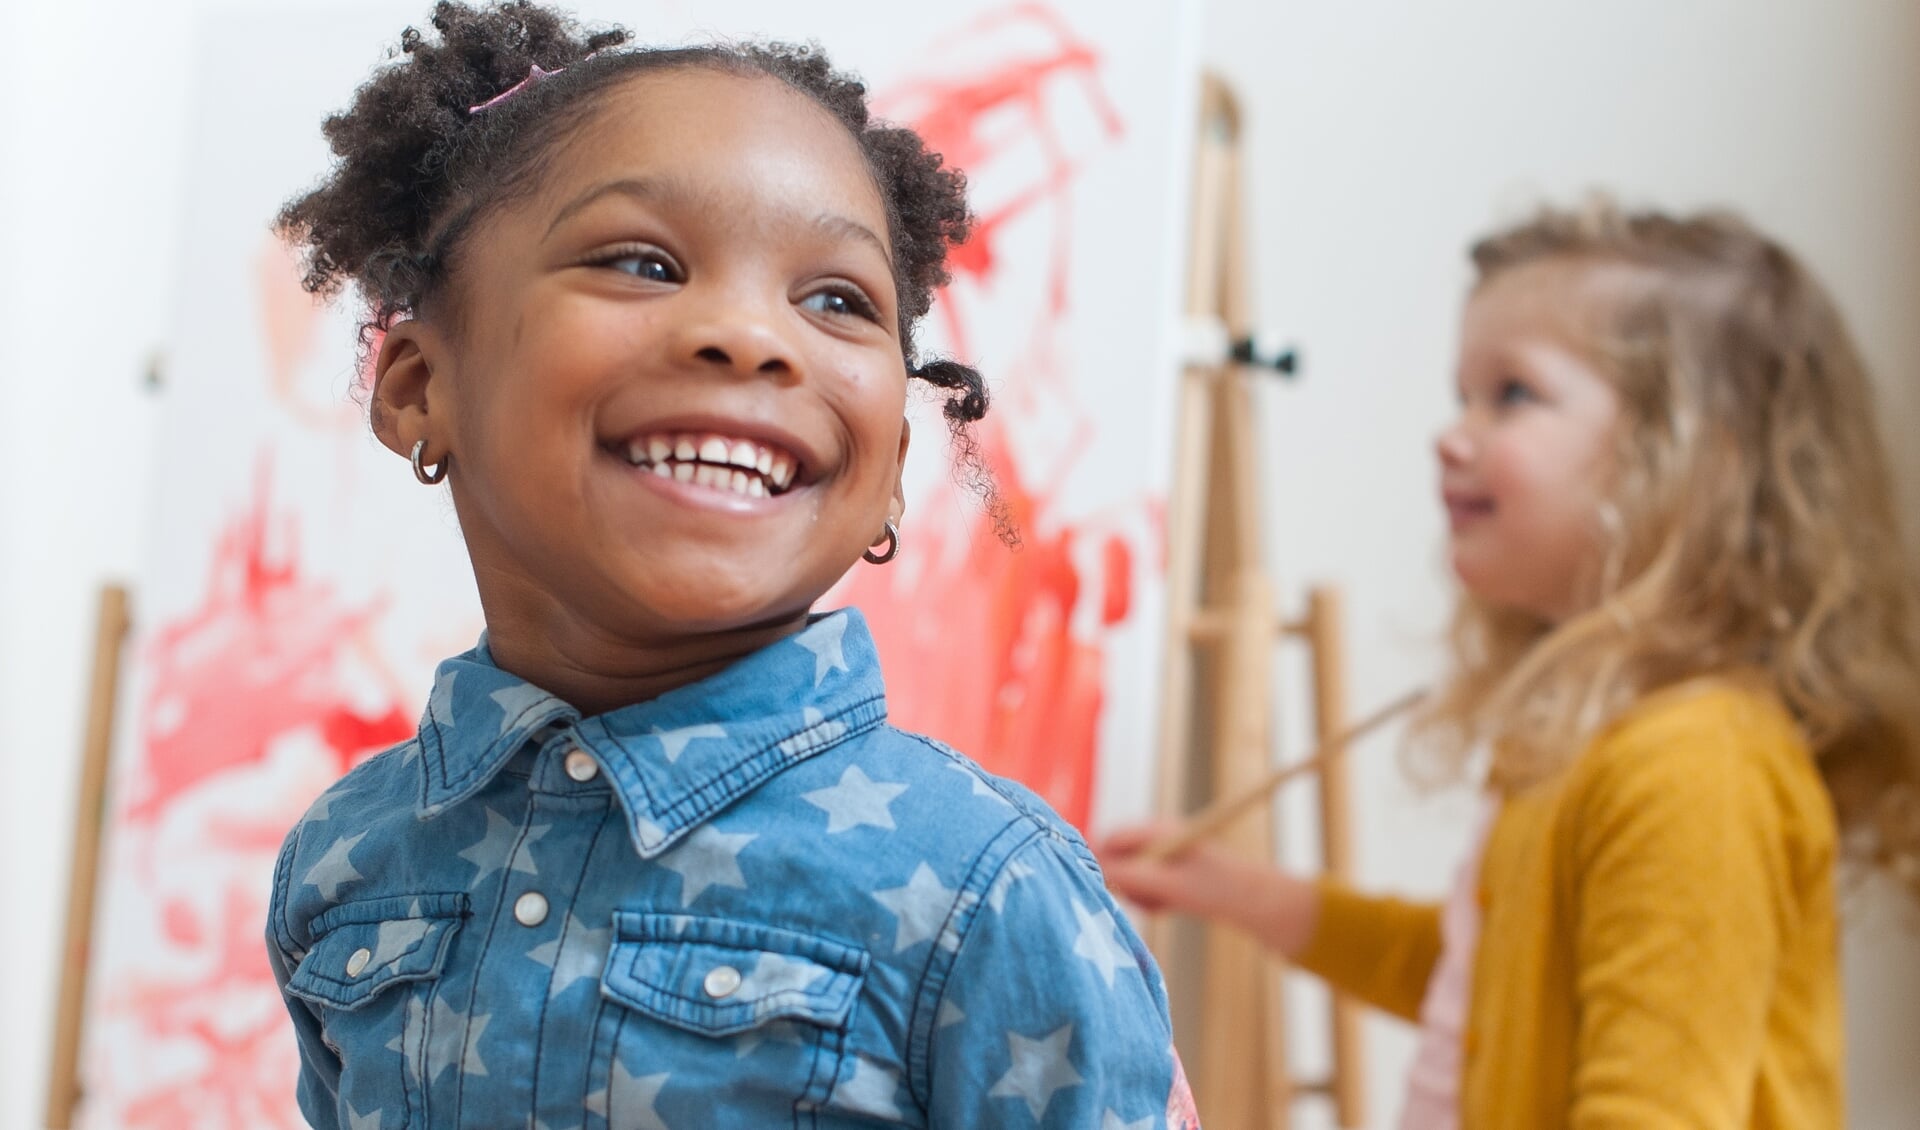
[{"x": 1433, "y": 1082}]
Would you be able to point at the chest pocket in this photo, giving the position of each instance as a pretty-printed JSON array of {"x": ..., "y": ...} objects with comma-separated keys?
[
  {"x": 369, "y": 976},
  {"x": 706, "y": 1006}
]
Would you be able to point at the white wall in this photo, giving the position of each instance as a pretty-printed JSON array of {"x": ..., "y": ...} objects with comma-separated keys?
[
  {"x": 90, "y": 137},
  {"x": 1381, "y": 137}
]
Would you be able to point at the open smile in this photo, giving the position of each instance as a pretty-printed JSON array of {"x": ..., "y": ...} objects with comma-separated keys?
[{"x": 753, "y": 468}]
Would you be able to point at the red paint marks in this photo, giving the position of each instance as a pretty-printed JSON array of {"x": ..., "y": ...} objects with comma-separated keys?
[
  {"x": 1007, "y": 105},
  {"x": 257, "y": 659},
  {"x": 980, "y": 644},
  {"x": 250, "y": 710},
  {"x": 1003, "y": 653}
]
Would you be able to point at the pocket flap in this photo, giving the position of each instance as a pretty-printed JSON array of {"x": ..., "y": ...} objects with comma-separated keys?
[
  {"x": 362, "y": 947},
  {"x": 720, "y": 977}
]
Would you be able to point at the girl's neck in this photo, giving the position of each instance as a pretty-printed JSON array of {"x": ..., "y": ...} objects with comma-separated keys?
[{"x": 595, "y": 671}]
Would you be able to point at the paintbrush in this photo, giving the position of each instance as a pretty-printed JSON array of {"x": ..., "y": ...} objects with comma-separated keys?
[{"x": 1221, "y": 813}]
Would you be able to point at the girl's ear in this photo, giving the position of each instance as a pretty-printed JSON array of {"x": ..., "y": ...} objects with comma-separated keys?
[
  {"x": 406, "y": 399},
  {"x": 897, "y": 509}
]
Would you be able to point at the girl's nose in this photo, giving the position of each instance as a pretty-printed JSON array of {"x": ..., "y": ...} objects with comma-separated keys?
[
  {"x": 741, "y": 336},
  {"x": 1453, "y": 446}
]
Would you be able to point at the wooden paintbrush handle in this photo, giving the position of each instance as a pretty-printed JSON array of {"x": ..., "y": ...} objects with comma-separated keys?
[{"x": 1210, "y": 820}]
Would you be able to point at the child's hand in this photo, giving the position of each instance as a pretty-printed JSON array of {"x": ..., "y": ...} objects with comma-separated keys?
[{"x": 1209, "y": 881}]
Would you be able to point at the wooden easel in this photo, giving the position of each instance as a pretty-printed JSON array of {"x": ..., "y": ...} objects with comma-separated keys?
[
  {"x": 1216, "y": 728},
  {"x": 63, "y": 1075}
]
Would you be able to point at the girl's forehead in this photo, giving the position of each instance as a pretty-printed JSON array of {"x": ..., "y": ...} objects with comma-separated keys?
[
  {"x": 1569, "y": 300},
  {"x": 705, "y": 125}
]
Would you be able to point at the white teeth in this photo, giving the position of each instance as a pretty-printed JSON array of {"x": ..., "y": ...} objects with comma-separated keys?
[{"x": 711, "y": 460}]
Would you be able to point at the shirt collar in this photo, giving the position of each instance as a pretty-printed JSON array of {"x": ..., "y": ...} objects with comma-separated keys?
[{"x": 674, "y": 761}]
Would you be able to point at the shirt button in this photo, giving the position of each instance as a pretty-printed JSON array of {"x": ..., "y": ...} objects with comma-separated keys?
[
  {"x": 581, "y": 766},
  {"x": 358, "y": 961},
  {"x": 721, "y": 981},
  {"x": 530, "y": 909}
]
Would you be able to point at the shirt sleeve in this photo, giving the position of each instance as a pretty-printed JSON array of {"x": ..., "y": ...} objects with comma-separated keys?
[
  {"x": 1380, "y": 950},
  {"x": 1051, "y": 1013},
  {"x": 319, "y": 1086},
  {"x": 1683, "y": 881}
]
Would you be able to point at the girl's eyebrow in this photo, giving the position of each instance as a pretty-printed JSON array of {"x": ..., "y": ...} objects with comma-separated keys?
[
  {"x": 842, "y": 227},
  {"x": 638, "y": 188},
  {"x": 669, "y": 191}
]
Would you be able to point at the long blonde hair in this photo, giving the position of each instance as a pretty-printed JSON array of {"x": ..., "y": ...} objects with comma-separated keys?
[{"x": 1751, "y": 525}]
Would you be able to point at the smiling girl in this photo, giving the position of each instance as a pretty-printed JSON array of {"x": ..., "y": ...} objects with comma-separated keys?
[
  {"x": 655, "y": 858},
  {"x": 1687, "y": 639}
]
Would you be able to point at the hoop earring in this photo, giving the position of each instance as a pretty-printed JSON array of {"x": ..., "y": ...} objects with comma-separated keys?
[
  {"x": 426, "y": 477},
  {"x": 893, "y": 547}
]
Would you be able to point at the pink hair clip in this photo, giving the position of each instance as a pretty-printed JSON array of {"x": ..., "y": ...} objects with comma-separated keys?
[{"x": 535, "y": 76}]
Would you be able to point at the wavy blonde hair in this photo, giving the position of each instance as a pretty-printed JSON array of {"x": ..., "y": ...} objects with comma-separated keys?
[{"x": 1750, "y": 527}]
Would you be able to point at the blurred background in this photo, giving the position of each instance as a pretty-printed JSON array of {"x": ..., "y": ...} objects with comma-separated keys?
[{"x": 1381, "y": 137}]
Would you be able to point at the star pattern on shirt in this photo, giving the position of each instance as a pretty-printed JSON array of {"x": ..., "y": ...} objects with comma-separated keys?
[
  {"x": 578, "y": 954},
  {"x": 491, "y": 852},
  {"x": 407, "y": 1042},
  {"x": 979, "y": 783},
  {"x": 817, "y": 732},
  {"x": 673, "y": 743},
  {"x": 396, "y": 937},
  {"x": 778, "y": 973},
  {"x": 871, "y": 1090},
  {"x": 334, "y": 869},
  {"x": 922, "y": 906},
  {"x": 1099, "y": 942},
  {"x": 453, "y": 1039},
  {"x": 857, "y": 801},
  {"x": 322, "y": 807},
  {"x": 824, "y": 639},
  {"x": 514, "y": 702},
  {"x": 708, "y": 858},
  {"x": 440, "y": 702},
  {"x": 627, "y": 1100},
  {"x": 696, "y": 821},
  {"x": 1012, "y": 873},
  {"x": 1041, "y": 1069},
  {"x": 779, "y": 1031}
]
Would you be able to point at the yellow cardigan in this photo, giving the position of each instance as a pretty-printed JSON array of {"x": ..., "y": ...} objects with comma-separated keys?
[{"x": 1658, "y": 940}]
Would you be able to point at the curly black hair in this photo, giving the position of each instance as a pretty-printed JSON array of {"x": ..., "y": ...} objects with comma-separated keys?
[{"x": 415, "y": 167}]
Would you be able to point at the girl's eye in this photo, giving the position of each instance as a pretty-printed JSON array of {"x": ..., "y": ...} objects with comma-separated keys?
[
  {"x": 842, "y": 303},
  {"x": 650, "y": 265},
  {"x": 1515, "y": 392}
]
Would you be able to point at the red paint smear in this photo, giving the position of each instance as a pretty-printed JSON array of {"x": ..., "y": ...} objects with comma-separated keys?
[
  {"x": 263, "y": 657},
  {"x": 259, "y": 658},
  {"x": 996, "y": 667},
  {"x": 950, "y": 113},
  {"x": 244, "y": 1079},
  {"x": 997, "y": 671}
]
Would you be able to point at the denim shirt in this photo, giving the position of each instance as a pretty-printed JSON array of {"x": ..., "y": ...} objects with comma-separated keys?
[{"x": 746, "y": 903}]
